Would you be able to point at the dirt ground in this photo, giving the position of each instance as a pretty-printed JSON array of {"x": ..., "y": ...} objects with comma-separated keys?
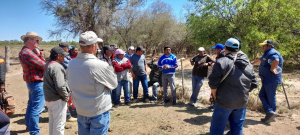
[{"x": 157, "y": 118}]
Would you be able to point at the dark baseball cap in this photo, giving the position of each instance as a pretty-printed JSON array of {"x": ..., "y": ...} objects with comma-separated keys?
[
  {"x": 107, "y": 47},
  {"x": 57, "y": 50},
  {"x": 63, "y": 44},
  {"x": 140, "y": 48}
]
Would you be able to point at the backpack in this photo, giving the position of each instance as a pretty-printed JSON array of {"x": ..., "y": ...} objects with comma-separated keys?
[{"x": 7, "y": 103}]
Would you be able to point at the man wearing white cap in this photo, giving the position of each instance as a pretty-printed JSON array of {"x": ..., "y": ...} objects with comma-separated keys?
[
  {"x": 91, "y": 81},
  {"x": 200, "y": 63},
  {"x": 33, "y": 63}
]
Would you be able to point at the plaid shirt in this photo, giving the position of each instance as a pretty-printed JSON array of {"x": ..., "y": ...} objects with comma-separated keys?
[{"x": 33, "y": 65}]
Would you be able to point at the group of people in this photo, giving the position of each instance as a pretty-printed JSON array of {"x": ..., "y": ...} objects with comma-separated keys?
[{"x": 93, "y": 84}]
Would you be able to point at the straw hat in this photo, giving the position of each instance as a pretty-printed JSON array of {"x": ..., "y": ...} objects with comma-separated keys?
[{"x": 32, "y": 35}]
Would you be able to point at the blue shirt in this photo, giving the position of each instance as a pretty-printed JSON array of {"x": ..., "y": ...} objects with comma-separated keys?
[
  {"x": 127, "y": 55},
  {"x": 264, "y": 68},
  {"x": 170, "y": 61},
  {"x": 138, "y": 64}
]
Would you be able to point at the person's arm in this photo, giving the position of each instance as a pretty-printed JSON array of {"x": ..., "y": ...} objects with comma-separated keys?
[
  {"x": 117, "y": 67},
  {"x": 145, "y": 64},
  {"x": 126, "y": 65},
  {"x": 274, "y": 64},
  {"x": 174, "y": 64},
  {"x": 59, "y": 79},
  {"x": 214, "y": 79},
  {"x": 160, "y": 66},
  {"x": 210, "y": 61},
  {"x": 32, "y": 59},
  {"x": 192, "y": 61},
  {"x": 256, "y": 62},
  {"x": 106, "y": 76}
]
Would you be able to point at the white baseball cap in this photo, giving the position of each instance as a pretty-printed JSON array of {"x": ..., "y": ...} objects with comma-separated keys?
[
  {"x": 131, "y": 48},
  {"x": 88, "y": 38},
  {"x": 201, "y": 49}
]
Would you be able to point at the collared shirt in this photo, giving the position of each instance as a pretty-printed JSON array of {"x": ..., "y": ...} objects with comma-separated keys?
[
  {"x": 33, "y": 65},
  {"x": 90, "y": 81},
  {"x": 107, "y": 59}
]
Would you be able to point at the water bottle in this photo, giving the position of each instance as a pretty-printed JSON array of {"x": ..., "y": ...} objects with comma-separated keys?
[{"x": 277, "y": 70}]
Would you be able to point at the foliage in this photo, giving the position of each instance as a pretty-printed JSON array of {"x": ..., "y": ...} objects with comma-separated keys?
[{"x": 251, "y": 20}]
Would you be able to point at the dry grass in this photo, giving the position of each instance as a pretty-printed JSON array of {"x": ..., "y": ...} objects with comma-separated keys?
[{"x": 254, "y": 103}]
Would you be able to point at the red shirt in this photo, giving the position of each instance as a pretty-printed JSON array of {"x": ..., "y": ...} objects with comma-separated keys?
[{"x": 33, "y": 65}]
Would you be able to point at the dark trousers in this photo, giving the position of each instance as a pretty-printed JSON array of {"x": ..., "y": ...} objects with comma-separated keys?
[{"x": 4, "y": 124}]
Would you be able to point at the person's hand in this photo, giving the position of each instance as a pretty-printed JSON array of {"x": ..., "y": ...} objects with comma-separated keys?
[
  {"x": 133, "y": 75},
  {"x": 107, "y": 88},
  {"x": 37, "y": 51},
  {"x": 214, "y": 93},
  {"x": 2, "y": 88},
  {"x": 165, "y": 67},
  {"x": 212, "y": 65}
]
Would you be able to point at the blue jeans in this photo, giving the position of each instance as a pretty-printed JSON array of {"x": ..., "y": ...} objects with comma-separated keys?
[
  {"x": 4, "y": 124},
  {"x": 97, "y": 125},
  {"x": 197, "y": 82},
  {"x": 267, "y": 96},
  {"x": 144, "y": 81},
  {"x": 155, "y": 90},
  {"x": 35, "y": 107},
  {"x": 169, "y": 79},
  {"x": 236, "y": 118},
  {"x": 125, "y": 85}
]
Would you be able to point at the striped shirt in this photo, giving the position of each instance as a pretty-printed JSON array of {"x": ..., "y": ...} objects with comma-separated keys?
[{"x": 33, "y": 65}]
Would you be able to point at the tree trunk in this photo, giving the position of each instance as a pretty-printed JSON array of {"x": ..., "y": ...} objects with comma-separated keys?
[{"x": 7, "y": 55}]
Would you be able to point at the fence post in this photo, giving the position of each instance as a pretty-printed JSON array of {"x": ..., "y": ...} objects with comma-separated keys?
[
  {"x": 7, "y": 55},
  {"x": 183, "y": 91}
]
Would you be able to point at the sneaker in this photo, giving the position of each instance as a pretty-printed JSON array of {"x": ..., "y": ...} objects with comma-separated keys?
[
  {"x": 153, "y": 101},
  {"x": 72, "y": 119},
  {"x": 146, "y": 100},
  {"x": 269, "y": 118},
  {"x": 167, "y": 100},
  {"x": 174, "y": 102},
  {"x": 192, "y": 103},
  {"x": 134, "y": 100},
  {"x": 45, "y": 109},
  {"x": 116, "y": 105},
  {"x": 128, "y": 103}
]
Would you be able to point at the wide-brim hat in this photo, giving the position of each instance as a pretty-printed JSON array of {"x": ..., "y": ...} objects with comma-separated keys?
[{"x": 32, "y": 35}]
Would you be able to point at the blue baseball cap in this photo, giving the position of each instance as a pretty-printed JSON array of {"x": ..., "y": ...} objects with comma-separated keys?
[
  {"x": 232, "y": 43},
  {"x": 218, "y": 46}
]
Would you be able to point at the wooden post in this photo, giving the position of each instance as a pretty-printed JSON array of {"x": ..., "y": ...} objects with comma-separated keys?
[
  {"x": 7, "y": 55},
  {"x": 183, "y": 91}
]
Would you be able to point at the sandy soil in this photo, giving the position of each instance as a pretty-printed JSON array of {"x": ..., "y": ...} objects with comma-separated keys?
[{"x": 157, "y": 118}]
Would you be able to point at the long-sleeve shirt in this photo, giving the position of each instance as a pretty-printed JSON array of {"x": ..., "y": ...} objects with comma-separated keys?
[
  {"x": 90, "y": 81},
  {"x": 33, "y": 65},
  {"x": 122, "y": 67},
  {"x": 170, "y": 61},
  {"x": 55, "y": 82}
]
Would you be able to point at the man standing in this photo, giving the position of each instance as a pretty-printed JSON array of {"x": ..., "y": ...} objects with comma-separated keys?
[
  {"x": 139, "y": 73},
  {"x": 270, "y": 72},
  {"x": 56, "y": 91},
  {"x": 168, "y": 64},
  {"x": 231, "y": 80},
  {"x": 65, "y": 64},
  {"x": 107, "y": 55},
  {"x": 33, "y": 63},
  {"x": 91, "y": 81},
  {"x": 200, "y": 69}
]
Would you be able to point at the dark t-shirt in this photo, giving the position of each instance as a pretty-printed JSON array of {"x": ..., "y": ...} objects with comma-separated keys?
[
  {"x": 199, "y": 68},
  {"x": 138, "y": 64}
]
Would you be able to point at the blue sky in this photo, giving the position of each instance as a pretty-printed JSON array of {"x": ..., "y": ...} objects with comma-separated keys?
[{"x": 21, "y": 16}]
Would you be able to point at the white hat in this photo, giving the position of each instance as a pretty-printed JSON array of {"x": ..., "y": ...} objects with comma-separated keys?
[
  {"x": 131, "y": 48},
  {"x": 201, "y": 49},
  {"x": 32, "y": 35},
  {"x": 88, "y": 38}
]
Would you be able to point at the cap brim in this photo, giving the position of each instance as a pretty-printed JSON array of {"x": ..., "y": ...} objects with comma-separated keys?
[
  {"x": 99, "y": 40},
  {"x": 214, "y": 47},
  {"x": 262, "y": 44}
]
